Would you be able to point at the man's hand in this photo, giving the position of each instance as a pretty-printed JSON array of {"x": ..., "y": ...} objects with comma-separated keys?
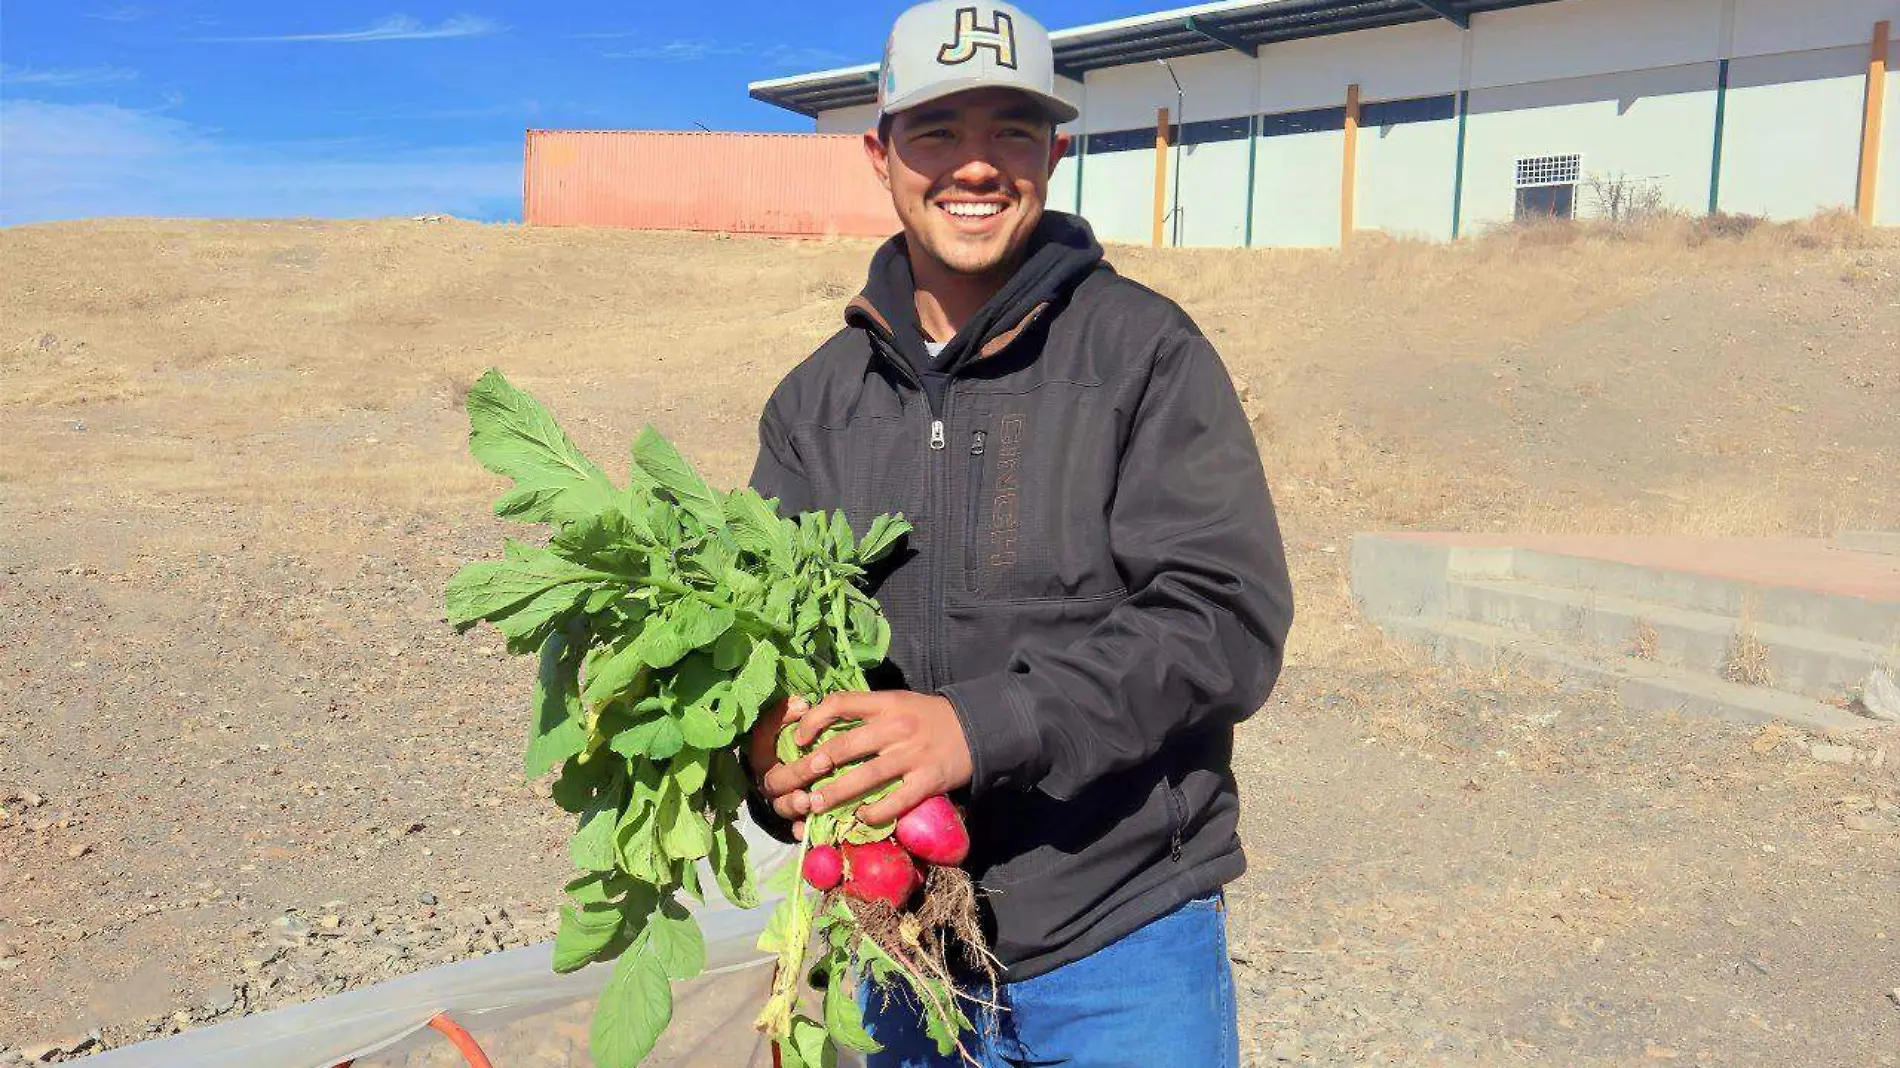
[{"x": 900, "y": 735}]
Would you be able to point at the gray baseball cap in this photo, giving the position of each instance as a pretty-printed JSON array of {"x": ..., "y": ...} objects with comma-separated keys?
[{"x": 950, "y": 46}]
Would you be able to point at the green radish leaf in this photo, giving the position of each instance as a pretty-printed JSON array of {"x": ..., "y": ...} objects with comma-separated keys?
[
  {"x": 813, "y": 1044},
  {"x": 512, "y": 435},
  {"x": 861, "y": 833},
  {"x": 685, "y": 834},
  {"x": 592, "y": 847},
  {"x": 615, "y": 675},
  {"x": 756, "y": 682},
  {"x": 557, "y": 732},
  {"x": 634, "y": 1008},
  {"x": 583, "y": 934},
  {"x": 700, "y": 624},
  {"x": 730, "y": 869},
  {"x": 658, "y": 738},
  {"x": 886, "y": 531},
  {"x": 660, "y": 643},
  {"x": 704, "y": 730},
  {"x": 597, "y": 888},
  {"x": 661, "y": 462},
  {"x": 787, "y": 743},
  {"x": 490, "y": 590},
  {"x": 530, "y": 623},
  {"x": 844, "y": 544},
  {"x": 731, "y": 784},
  {"x": 844, "y": 1018},
  {"x": 756, "y": 526},
  {"x": 799, "y": 677},
  {"x": 731, "y": 650},
  {"x": 674, "y": 938},
  {"x": 689, "y": 881},
  {"x": 690, "y": 770}
]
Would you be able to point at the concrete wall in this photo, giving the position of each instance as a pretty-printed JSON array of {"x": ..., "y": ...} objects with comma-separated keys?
[
  {"x": 1793, "y": 142},
  {"x": 848, "y": 120},
  {"x": 1407, "y": 177},
  {"x": 1654, "y": 128},
  {"x": 1296, "y": 190},
  {"x": 1628, "y": 84}
]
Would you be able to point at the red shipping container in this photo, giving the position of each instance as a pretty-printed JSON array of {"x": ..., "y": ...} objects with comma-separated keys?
[{"x": 807, "y": 185}]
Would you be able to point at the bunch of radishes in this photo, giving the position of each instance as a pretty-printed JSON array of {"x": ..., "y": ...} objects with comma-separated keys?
[{"x": 888, "y": 870}]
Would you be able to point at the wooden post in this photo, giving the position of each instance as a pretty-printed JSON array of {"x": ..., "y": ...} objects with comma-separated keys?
[
  {"x": 1348, "y": 186},
  {"x": 1867, "y": 199},
  {"x": 1161, "y": 172}
]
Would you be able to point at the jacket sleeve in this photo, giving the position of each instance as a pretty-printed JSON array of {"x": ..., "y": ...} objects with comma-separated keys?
[
  {"x": 1200, "y": 638},
  {"x": 777, "y": 473}
]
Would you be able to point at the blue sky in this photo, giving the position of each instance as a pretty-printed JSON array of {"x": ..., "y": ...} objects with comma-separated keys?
[{"x": 359, "y": 108}]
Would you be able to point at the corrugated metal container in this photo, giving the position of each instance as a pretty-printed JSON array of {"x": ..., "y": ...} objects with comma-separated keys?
[{"x": 783, "y": 184}]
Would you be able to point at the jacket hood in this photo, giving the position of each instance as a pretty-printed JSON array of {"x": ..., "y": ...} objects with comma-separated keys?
[{"x": 1061, "y": 252}]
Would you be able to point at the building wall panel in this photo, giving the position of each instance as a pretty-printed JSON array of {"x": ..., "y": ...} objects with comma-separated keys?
[
  {"x": 1296, "y": 190},
  {"x": 786, "y": 184},
  {"x": 1550, "y": 42},
  {"x": 1655, "y": 128},
  {"x": 1765, "y": 27},
  {"x": 854, "y": 120},
  {"x": 1213, "y": 194},
  {"x": 1216, "y": 86},
  {"x": 1792, "y": 145},
  {"x": 1407, "y": 176},
  {"x": 1417, "y": 59},
  {"x": 1062, "y": 186},
  {"x": 1118, "y": 190}
]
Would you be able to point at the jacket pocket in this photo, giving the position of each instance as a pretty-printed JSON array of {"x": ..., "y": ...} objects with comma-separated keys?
[
  {"x": 1177, "y": 818},
  {"x": 973, "y": 520}
]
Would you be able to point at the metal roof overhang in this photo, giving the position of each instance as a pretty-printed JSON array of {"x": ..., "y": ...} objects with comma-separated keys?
[{"x": 1240, "y": 25}]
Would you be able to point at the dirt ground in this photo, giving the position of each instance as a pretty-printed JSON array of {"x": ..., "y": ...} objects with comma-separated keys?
[{"x": 243, "y": 762}]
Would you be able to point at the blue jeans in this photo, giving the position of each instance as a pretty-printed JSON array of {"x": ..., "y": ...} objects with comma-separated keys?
[{"x": 1163, "y": 995}]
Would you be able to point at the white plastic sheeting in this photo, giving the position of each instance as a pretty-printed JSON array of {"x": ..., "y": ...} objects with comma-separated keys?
[{"x": 513, "y": 1003}]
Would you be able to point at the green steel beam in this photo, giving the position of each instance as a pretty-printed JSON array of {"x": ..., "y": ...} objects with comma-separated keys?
[
  {"x": 1253, "y": 158},
  {"x": 1721, "y": 121},
  {"x": 1221, "y": 37},
  {"x": 1458, "y": 180},
  {"x": 1444, "y": 10}
]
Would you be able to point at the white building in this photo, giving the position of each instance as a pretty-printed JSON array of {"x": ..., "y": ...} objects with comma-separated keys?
[{"x": 1468, "y": 113}]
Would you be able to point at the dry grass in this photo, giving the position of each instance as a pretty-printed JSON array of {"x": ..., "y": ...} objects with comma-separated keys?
[
  {"x": 1645, "y": 640},
  {"x": 1710, "y": 377},
  {"x": 1747, "y": 662}
]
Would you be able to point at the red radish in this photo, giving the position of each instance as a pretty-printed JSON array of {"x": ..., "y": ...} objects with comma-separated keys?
[
  {"x": 934, "y": 833},
  {"x": 823, "y": 867},
  {"x": 880, "y": 871}
]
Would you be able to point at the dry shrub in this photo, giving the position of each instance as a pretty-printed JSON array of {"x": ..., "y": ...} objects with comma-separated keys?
[
  {"x": 1723, "y": 226},
  {"x": 1644, "y": 642}
]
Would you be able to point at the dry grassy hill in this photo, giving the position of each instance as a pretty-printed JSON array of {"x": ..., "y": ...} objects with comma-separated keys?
[{"x": 235, "y": 481}]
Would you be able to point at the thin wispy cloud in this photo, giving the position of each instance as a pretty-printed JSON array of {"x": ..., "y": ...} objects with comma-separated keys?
[
  {"x": 677, "y": 52},
  {"x": 694, "y": 51},
  {"x": 66, "y": 77},
  {"x": 122, "y": 13},
  {"x": 393, "y": 28}
]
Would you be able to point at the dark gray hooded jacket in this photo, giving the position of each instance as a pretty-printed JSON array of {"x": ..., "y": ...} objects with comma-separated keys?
[{"x": 1096, "y": 580}]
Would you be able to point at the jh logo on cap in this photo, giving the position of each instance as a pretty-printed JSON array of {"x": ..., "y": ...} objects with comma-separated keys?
[{"x": 998, "y": 37}]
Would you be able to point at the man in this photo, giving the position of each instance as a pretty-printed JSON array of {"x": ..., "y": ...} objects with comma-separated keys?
[{"x": 1095, "y": 592}]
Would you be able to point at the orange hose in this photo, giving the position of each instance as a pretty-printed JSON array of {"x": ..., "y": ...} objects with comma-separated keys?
[{"x": 462, "y": 1041}]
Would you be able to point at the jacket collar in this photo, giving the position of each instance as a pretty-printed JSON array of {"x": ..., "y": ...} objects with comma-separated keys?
[{"x": 1062, "y": 252}]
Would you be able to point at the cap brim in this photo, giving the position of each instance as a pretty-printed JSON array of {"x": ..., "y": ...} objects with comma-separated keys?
[{"x": 1059, "y": 109}]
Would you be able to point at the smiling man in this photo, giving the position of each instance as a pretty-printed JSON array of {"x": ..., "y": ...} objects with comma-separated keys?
[{"x": 1095, "y": 593}]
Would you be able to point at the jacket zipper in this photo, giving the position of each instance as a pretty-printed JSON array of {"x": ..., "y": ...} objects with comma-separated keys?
[
  {"x": 978, "y": 445},
  {"x": 933, "y": 672}
]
